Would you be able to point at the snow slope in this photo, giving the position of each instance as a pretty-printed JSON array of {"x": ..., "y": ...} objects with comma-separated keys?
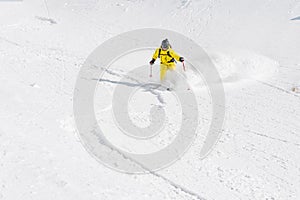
[{"x": 253, "y": 43}]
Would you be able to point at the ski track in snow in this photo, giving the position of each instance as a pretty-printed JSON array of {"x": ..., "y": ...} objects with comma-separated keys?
[
  {"x": 176, "y": 186},
  {"x": 288, "y": 91},
  {"x": 148, "y": 87}
]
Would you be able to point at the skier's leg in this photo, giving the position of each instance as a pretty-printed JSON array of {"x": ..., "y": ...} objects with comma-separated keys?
[
  {"x": 163, "y": 76},
  {"x": 172, "y": 66},
  {"x": 172, "y": 75},
  {"x": 163, "y": 71}
]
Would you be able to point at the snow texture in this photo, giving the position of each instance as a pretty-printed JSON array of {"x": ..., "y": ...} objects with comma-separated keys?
[{"x": 254, "y": 44}]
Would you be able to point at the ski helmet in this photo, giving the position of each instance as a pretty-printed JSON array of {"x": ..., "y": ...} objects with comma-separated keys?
[{"x": 165, "y": 44}]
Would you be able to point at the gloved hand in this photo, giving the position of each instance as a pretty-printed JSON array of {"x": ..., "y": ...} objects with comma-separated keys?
[
  {"x": 181, "y": 59},
  {"x": 152, "y": 61}
]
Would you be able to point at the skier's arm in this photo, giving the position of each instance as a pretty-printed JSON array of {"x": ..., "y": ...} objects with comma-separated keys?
[
  {"x": 154, "y": 57},
  {"x": 176, "y": 56}
]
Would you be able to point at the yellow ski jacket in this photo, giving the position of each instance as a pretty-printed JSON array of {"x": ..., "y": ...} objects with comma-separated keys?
[{"x": 167, "y": 57}]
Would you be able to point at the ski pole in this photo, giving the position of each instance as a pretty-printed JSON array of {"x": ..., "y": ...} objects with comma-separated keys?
[
  {"x": 150, "y": 71},
  {"x": 184, "y": 69}
]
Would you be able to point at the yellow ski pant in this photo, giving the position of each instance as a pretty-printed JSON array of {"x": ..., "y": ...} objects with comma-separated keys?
[{"x": 164, "y": 68}]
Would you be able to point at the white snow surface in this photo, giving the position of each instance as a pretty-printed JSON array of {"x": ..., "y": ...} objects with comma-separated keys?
[{"x": 253, "y": 43}]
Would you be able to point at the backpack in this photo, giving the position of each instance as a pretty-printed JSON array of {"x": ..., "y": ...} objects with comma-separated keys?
[{"x": 168, "y": 53}]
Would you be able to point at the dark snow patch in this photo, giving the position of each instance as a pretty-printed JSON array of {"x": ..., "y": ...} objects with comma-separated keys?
[
  {"x": 184, "y": 4},
  {"x": 51, "y": 21},
  {"x": 296, "y": 18}
]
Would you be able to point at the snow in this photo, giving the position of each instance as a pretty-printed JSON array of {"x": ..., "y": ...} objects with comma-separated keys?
[{"x": 254, "y": 45}]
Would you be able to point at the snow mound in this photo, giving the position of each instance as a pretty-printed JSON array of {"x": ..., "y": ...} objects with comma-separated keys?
[{"x": 240, "y": 65}]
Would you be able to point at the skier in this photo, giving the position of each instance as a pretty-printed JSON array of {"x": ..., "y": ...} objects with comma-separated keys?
[{"x": 167, "y": 57}]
